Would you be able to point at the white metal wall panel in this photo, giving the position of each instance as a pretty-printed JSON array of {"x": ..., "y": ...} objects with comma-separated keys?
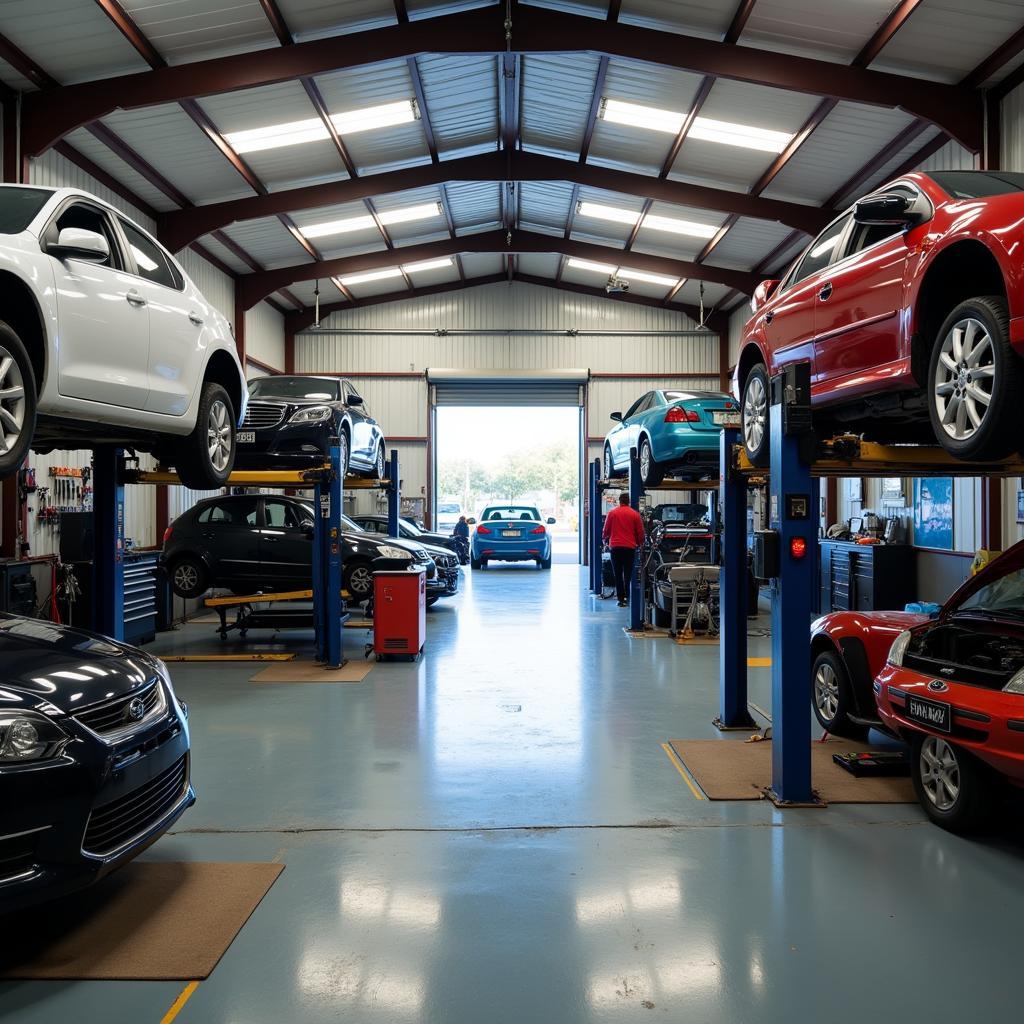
[
  {"x": 737, "y": 321},
  {"x": 1012, "y": 132},
  {"x": 952, "y": 157},
  {"x": 462, "y": 99},
  {"x": 556, "y": 100},
  {"x": 51, "y": 170},
  {"x": 215, "y": 285},
  {"x": 264, "y": 335}
]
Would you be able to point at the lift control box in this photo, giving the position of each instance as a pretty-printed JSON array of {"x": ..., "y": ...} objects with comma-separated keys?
[
  {"x": 399, "y": 612},
  {"x": 766, "y": 554}
]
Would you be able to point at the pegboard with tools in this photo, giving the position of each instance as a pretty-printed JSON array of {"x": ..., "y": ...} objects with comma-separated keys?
[{"x": 68, "y": 491}]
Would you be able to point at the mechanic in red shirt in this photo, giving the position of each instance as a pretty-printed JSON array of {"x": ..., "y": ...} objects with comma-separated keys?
[{"x": 623, "y": 533}]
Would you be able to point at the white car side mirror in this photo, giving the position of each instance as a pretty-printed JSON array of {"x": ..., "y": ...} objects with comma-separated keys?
[{"x": 80, "y": 244}]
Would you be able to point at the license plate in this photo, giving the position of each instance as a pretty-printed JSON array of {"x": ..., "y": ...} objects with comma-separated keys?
[
  {"x": 510, "y": 533},
  {"x": 246, "y": 436},
  {"x": 932, "y": 713},
  {"x": 726, "y": 418}
]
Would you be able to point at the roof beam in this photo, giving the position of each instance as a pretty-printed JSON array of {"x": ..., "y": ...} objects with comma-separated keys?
[
  {"x": 891, "y": 24},
  {"x": 253, "y": 287},
  {"x": 53, "y": 112},
  {"x": 180, "y": 227}
]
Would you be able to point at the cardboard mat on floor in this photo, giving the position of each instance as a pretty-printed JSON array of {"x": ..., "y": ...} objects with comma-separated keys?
[
  {"x": 150, "y": 921},
  {"x": 306, "y": 671},
  {"x": 737, "y": 770}
]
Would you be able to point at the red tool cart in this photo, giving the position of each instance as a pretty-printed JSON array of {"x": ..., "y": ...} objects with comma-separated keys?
[{"x": 399, "y": 613}]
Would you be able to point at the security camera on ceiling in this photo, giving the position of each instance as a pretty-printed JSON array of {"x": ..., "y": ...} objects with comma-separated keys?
[{"x": 616, "y": 284}]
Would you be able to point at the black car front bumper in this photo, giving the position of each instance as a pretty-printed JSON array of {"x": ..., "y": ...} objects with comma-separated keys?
[
  {"x": 445, "y": 582},
  {"x": 287, "y": 445},
  {"x": 67, "y": 823}
]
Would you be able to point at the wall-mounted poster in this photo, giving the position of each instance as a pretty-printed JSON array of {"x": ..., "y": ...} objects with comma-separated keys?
[{"x": 933, "y": 513}]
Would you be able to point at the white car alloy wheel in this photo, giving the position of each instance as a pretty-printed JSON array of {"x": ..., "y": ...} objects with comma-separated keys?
[
  {"x": 609, "y": 468},
  {"x": 965, "y": 378},
  {"x": 218, "y": 435},
  {"x": 826, "y": 691},
  {"x": 645, "y": 461},
  {"x": 12, "y": 401},
  {"x": 186, "y": 579},
  {"x": 380, "y": 463},
  {"x": 755, "y": 413},
  {"x": 940, "y": 773},
  {"x": 360, "y": 583}
]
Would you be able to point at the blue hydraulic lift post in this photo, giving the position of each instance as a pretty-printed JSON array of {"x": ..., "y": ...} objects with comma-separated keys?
[
  {"x": 790, "y": 485},
  {"x": 334, "y": 617},
  {"x": 593, "y": 503},
  {"x": 732, "y": 593},
  {"x": 321, "y": 528},
  {"x": 394, "y": 494},
  {"x": 597, "y": 530},
  {"x": 108, "y": 541},
  {"x": 636, "y": 597}
]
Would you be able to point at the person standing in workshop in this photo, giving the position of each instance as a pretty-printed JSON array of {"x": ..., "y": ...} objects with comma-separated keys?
[{"x": 623, "y": 533}]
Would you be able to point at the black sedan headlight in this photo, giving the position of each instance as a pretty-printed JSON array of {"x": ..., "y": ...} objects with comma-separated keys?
[
  {"x": 313, "y": 414},
  {"x": 29, "y": 736}
]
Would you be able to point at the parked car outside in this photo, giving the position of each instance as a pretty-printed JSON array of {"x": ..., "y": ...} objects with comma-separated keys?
[
  {"x": 909, "y": 307},
  {"x": 952, "y": 686},
  {"x": 105, "y": 338},
  {"x": 94, "y": 758},
  {"x": 250, "y": 543},
  {"x": 292, "y": 421},
  {"x": 511, "y": 533},
  {"x": 673, "y": 432},
  {"x": 448, "y": 513}
]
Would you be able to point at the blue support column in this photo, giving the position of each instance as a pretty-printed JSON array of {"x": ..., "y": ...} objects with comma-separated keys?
[
  {"x": 394, "y": 494},
  {"x": 321, "y": 528},
  {"x": 714, "y": 521},
  {"x": 636, "y": 597},
  {"x": 732, "y": 594},
  {"x": 597, "y": 530},
  {"x": 108, "y": 542},
  {"x": 791, "y": 613},
  {"x": 591, "y": 512},
  {"x": 816, "y": 547}
]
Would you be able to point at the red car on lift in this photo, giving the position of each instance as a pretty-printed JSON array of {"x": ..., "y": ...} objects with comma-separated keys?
[
  {"x": 910, "y": 308},
  {"x": 951, "y": 686}
]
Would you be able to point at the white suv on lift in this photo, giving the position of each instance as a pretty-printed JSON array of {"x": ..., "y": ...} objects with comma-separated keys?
[{"x": 104, "y": 339}]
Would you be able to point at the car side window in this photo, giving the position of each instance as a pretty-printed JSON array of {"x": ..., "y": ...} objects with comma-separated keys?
[
  {"x": 92, "y": 218},
  {"x": 149, "y": 258},
  {"x": 864, "y": 236},
  {"x": 638, "y": 406},
  {"x": 230, "y": 513},
  {"x": 822, "y": 251},
  {"x": 280, "y": 515},
  {"x": 349, "y": 389}
]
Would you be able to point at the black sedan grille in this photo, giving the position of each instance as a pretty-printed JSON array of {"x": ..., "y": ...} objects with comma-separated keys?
[
  {"x": 259, "y": 415},
  {"x": 446, "y": 561},
  {"x": 117, "y": 823},
  {"x": 112, "y": 715}
]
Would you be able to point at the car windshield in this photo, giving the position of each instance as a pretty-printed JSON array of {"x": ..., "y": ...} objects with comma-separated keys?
[
  {"x": 510, "y": 512},
  {"x": 685, "y": 513},
  {"x": 979, "y": 184},
  {"x": 18, "y": 206},
  {"x": 351, "y": 525},
  {"x": 1004, "y": 596},
  {"x": 310, "y": 388}
]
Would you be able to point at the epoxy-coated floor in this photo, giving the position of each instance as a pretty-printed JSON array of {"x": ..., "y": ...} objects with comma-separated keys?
[{"x": 496, "y": 835}]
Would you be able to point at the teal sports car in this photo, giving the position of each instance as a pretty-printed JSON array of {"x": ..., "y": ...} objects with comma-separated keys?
[{"x": 673, "y": 432}]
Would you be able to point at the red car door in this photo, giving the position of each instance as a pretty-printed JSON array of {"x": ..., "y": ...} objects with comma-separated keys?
[
  {"x": 789, "y": 319},
  {"x": 857, "y": 310}
]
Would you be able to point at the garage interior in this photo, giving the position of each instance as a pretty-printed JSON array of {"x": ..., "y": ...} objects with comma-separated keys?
[{"x": 510, "y": 205}]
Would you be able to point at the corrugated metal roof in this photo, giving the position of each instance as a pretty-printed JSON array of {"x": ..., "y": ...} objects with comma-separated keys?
[
  {"x": 268, "y": 242},
  {"x": 611, "y": 232},
  {"x": 224, "y": 254},
  {"x": 187, "y": 30},
  {"x": 850, "y": 136},
  {"x": 538, "y": 264},
  {"x": 381, "y": 149},
  {"x": 71, "y": 40},
  {"x": 706, "y": 18},
  {"x": 544, "y": 205},
  {"x": 556, "y": 99},
  {"x": 747, "y": 242},
  {"x": 945, "y": 39},
  {"x": 314, "y": 19},
  {"x": 461, "y": 94},
  {"x": 14, "y": 79},
  {"x": 810, "y": 28},
  {"x": 588, "y": 8},
  {"x": 435, "y": 8},
  {"x": 713, "y": 294},
  {"x": 474, "y": 204},
  {"x": 884, "y": 171},
  {"x": 481, "y": 264},
  {"x": 618, "y": 145}
]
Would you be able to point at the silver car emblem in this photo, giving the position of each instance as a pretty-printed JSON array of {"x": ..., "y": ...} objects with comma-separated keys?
[
  {"x": 135, "y": 711},
  {"x": 938, "y": 686}
]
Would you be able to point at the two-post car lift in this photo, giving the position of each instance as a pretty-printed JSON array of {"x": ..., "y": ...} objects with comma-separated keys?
[{"x": 110, "y": 475}]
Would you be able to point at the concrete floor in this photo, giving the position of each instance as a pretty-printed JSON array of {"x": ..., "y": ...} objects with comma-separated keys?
[{"x": 495, "y": 834}]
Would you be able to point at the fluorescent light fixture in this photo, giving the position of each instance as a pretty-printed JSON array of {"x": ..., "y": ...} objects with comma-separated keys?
[
  {"x": 642, "y": 275},
  {"x": 438, "y": 264},
  {"x": 295, "y": 133},
  {"x": 371, "y": 275},
  {"x": 672, "y": 224},
  {"x": 637, "y": 116},
  {"x": 744, "y": 135},
  {"x": 422, "y": 212},
  {"x": 597, "y": 268},
  {"x": 612, "y": 213}
]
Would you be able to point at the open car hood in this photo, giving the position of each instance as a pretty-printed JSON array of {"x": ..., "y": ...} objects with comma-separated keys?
[{"x": 1009, "y": 561}]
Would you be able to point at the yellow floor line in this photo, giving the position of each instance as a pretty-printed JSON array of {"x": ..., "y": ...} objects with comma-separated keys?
[
  {"x": 179, "y": 1003},
  {"x": 671, "y": 755},
  {"x": 759, "y": 662}
]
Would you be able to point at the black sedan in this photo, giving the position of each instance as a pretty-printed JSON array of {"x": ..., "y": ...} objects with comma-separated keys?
[
  {"x": 94, "y": 758},
  {"x": 406, "y": 531},
  {"x": 248, "y": 543},
  {"x": 292, "y": 420}
]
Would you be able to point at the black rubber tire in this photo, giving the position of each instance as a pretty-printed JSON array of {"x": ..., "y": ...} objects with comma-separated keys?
[
  {"x": 23, "y": 410},
  {"x": 380, "y": 465},
  {"x": 998, "y": 434},
  {"x": 431, "y": 601},
  {"x": 189, "y": 569},
  {"x": 761, "y": 455},
  {"x": 607, "y": 465},
  {"x": 979, "y": 787},
  {"x": 545, "y": 563},
  {"x": 655, "y": 473},
  {"x": 474, "y": 563},
  {"x": 193, "y": 463},
  {"x": 352, "y": 572},
  {"x": 839, "y": 723},
  {"x": 661, "y": 617}
]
